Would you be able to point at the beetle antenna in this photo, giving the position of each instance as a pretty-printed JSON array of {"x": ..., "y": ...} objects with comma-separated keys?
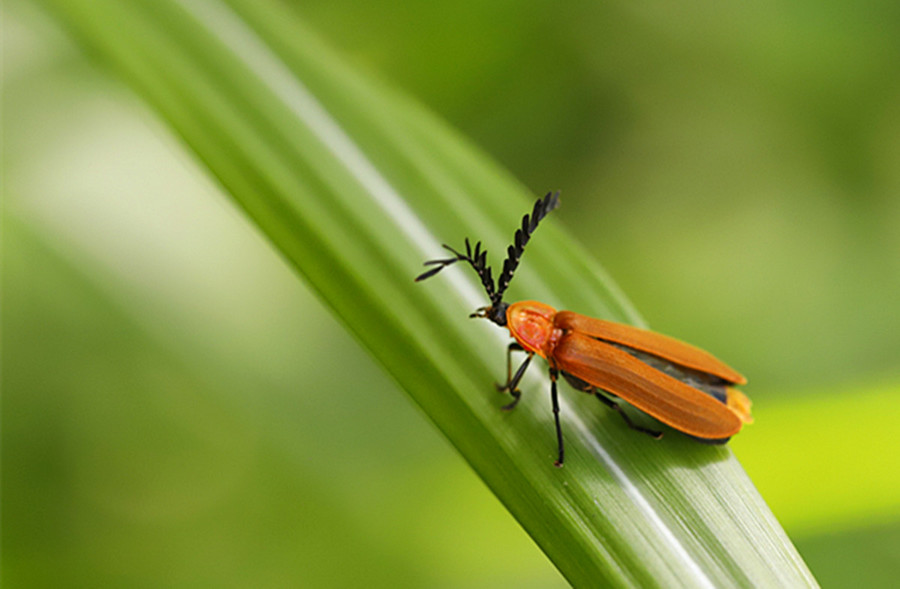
[
  {"x": 523, "y": 234},
  {"x": 477, "y": 259}
]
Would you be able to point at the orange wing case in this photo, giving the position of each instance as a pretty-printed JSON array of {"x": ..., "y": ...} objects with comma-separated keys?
[
  {"x": 653, "y": 392},
  {"x": 651, "y": 342}
]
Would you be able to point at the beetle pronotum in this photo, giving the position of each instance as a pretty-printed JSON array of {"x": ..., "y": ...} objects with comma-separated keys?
[{"x": 678, "y": 384}]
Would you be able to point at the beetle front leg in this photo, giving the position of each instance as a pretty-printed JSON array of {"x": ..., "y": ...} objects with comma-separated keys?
[{"x": 512, "y": 381}]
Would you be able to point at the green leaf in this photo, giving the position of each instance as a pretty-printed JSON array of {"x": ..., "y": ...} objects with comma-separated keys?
[
  {"x": 809, "y": 433},
  {"x": 356, "y": 186}
]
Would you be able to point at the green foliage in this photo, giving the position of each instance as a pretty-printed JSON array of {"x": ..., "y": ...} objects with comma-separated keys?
[
  {"x": 355, "y": 207},
  {"x": 320, "y": 159}
]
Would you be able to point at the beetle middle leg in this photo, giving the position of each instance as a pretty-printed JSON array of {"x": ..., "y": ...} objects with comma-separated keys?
[
  {"x": 555, "y": 400},
  {"x": 583, "y": 386},
  {"x": 512, "y": 380}
]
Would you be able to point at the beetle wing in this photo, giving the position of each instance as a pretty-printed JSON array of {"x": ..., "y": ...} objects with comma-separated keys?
[
  {"x": 651, "y": 342},
  {"x": 653, "y": 392}
]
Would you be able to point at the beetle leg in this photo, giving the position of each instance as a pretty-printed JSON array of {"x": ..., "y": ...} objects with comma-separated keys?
[
  {"x": 555, "y": 400},
  {"x": 513, "y": 347},
  {"x": 512, "y": 381},
  {"x": 615, "y": 406}
]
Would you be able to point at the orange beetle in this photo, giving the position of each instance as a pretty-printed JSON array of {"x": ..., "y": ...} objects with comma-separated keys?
[{"x": 678, "y": 384}]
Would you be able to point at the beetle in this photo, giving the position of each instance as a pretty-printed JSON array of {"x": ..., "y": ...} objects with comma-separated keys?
[{"x": 680, "y": 385}]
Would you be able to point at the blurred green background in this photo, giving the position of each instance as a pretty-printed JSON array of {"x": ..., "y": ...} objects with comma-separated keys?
[{"x": 179, "y": 410}]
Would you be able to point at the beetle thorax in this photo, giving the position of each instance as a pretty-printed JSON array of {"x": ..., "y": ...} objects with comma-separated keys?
[{"x": 531, "y": 324}]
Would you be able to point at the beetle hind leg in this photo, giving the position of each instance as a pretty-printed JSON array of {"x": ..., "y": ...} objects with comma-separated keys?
[{"x": 615, "y": 407}]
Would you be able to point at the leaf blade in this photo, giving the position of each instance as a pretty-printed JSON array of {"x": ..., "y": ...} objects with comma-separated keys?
[{"x": 356, "y": 196}]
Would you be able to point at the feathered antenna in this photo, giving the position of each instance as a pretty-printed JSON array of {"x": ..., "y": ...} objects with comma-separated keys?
[
  {"x": 523, "y": 234},
  {"x": 478, "y": 260}
]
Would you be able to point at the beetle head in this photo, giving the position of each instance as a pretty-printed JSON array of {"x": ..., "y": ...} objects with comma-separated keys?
[{"x": 495, "y": 313}]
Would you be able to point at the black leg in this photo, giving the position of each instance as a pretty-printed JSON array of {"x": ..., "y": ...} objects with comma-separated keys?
[
  {"x": 513, "y": 347},
  {"x": 615, "y": 406},
  {"x": 555, "y": 399},
  {"x": 512, "y": 381}
]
